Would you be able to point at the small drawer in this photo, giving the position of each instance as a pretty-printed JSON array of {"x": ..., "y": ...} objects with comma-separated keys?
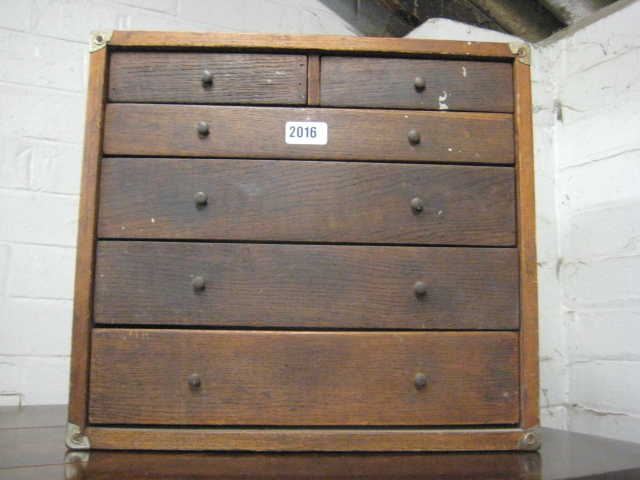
[
  {"x": 207, "y": 78},
  {"x": 250, "y": 378},
  {"x": 262, "y": 132},
  {"x": 306, "y": 201},
  {"x": 416, "y": 84},
  {"x": 306, "y": 286}
]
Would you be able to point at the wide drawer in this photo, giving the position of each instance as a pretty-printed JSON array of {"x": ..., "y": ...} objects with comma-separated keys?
[
  {"x": 178, "y": 377},
  {"x": 305, "y": 286},
  {"x": 254, "y": 132},
  {"x": 281, "y": 200},
  {"x": 416, "y": 84},
  {"x": 205, "y": 78}
]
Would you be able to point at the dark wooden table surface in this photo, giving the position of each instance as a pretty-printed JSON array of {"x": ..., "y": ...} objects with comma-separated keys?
[{"x": 32, "y": 447}]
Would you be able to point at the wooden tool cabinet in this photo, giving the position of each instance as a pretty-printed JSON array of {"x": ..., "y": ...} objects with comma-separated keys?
[{"x": 305, "y": 243}]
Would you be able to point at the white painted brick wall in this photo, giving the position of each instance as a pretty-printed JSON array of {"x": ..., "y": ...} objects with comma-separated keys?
[
  {"x": 597, "y": 156},
  {"x": 554, "y": 381},
  {"x": 44, "y": 58},
  {"x": 38, "y": 218},
  {"x": 605, "y": 335},
  {"x": 606, "y": 231}
]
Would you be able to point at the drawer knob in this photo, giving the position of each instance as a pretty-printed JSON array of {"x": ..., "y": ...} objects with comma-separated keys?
[
  {"x": 420, "y": 381},
  {"x": 203, "y": 128},
  {"x": 414, "y": 136},
  {"x": 194, "y": 380},
  {"x": 417, "y": 204},
  {"x": 198, "y": 283},
  {"x": 420, "y": 288},
  {"x": 206, "y": 77},
  {"x": 419, "y": 83},
  {"x": 201, "y": 199}
]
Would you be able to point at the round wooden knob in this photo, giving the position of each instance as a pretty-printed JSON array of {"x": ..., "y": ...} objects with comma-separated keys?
[
  {"x": 417, "y": 204},
  {"x": 198, "y": 283},
  {"x": 419, "y": 83},
  {"x": 414, "y": 136},
  {"x": 420, "y": 288},
  {"x": 201, "y": 199},
  {"x": 194, "y": 380},
  {"x": 206, "y": 77},
  {"x": 203, "y": 128},
  {"x": 420, "y": 380}
]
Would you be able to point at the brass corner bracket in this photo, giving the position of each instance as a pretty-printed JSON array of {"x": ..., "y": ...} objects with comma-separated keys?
[
  {"x": 99, "y": 39},
  {"x": 523, "y": 51},
  {"x": 530, "y": 440},
  {"x": 74, "y": 438}
]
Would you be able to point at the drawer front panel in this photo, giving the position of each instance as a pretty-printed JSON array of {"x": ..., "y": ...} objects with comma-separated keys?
[
  {"x": 416, "y": 84},
  {"x": 253, "y": 132},
  {"x": 310, "y": 378},
  {"x": 232, "y": 78},
  {"x": 278, "y": 200},
  {"x": 305, "y": 286}
]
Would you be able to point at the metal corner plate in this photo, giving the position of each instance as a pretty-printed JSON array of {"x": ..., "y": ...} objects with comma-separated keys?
[
  {"x": 530, "y": 440},
  {"x": 74, "y": 438},
  {"x": 99, "y": 39},
  {"x": 523, "y": 51}
]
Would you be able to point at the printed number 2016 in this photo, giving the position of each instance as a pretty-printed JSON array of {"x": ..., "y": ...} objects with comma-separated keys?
[{"x": 302, "y": 132}]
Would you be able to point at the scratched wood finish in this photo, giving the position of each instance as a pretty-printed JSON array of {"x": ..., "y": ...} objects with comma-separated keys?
[
  {"x": 259, "y": 132},
  {"x": 303, "y": 378},
  {"x": 167, "y": 77},
  {"x": 326, "y": 439},
  {"x": 313, "y": 80},
  {"x": 307, "y": 466},
  {"x": 320, "y": 43},
  {"x": 301, "y": 286},
  {"x": 85, "y": 255},
  {"x": 527, "y": 248},
  {"x": 276, "y": 200},
  {"x": 389, "y": 83}
]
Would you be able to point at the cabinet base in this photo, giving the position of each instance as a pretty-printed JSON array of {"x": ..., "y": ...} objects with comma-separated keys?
[{"x": 344, "y": 440}]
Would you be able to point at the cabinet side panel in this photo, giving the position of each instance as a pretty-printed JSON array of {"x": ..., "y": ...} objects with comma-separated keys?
[
  {"x": 527, "y": 247},
  {"x": 86, "y": 238}
]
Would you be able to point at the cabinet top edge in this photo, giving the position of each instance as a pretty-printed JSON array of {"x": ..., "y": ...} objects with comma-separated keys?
[{"x": 308, "y": 43}]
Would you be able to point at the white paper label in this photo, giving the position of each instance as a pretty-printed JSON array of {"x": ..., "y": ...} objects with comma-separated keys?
[{"x": 306, "y": 133}]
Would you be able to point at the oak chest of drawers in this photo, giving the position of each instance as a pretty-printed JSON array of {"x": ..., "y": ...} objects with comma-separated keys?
[{"x": 305, "y": 243}]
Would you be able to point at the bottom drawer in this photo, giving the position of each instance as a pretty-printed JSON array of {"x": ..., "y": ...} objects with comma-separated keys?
[{"x": 267, "y": 378}]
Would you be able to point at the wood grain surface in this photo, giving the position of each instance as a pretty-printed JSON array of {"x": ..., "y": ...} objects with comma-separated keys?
[
  {"x": 308, "y": 466},
  {"x": 313, "y": 80},
  {"x": 241, "y": 78},
  {"x": 87, "y": 225},
  {"x": 219, "y": 41},
  {"x": 259, "y": 132},
  {"x": 271, "y": 200},
  {"x": 326, "y": 439},
  {"x": 529, "y": 360},
  {"x": 303, "y": 378},
  {"x": 389, "y": 83},
  {"x": 305, "y": 286}
]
